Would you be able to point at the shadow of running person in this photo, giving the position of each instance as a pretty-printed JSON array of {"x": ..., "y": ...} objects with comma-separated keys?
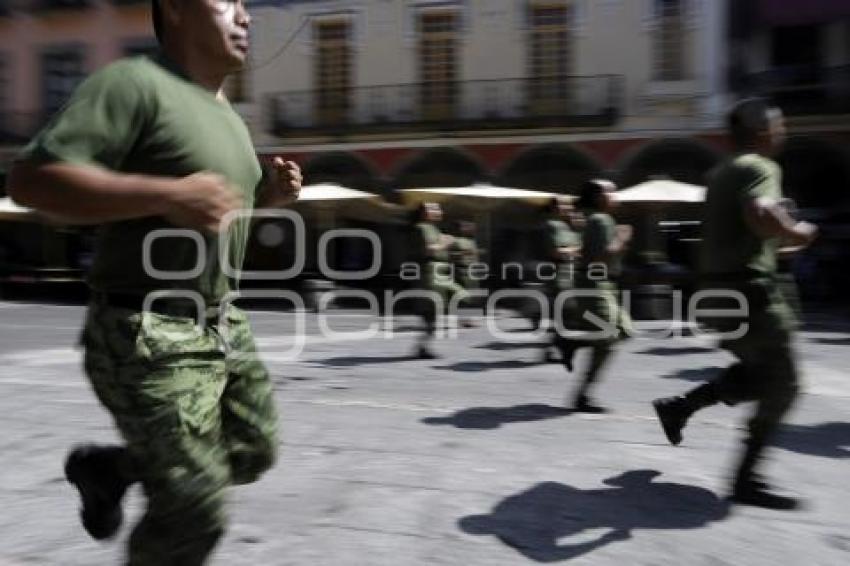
[
  {"x": 351, "y": 361},
  {"x": 540, "y": 523},
  {"x": 676, "y": 351},
  {"x": 831, "y": 341},
  {"x": 695, "y": 374},
  {"x": 489, "y": 418},
  {"x": 509, "y": 346},
  {"x": 471, "y": 367},
  {"x": 829, "y": 440}
]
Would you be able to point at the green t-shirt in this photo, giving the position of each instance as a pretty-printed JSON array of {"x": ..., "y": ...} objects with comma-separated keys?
[
  {"x": 427, "y": 236},
  {"x": 143, "y": 116},
  {"x": 729, "y": 245},
  {"x": 599, "y": 233},
  {"x": 559, "y": 235},
  {"x": 463, "y": 251}
]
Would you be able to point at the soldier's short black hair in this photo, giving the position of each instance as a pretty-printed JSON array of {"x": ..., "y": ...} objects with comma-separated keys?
[
  {"x": 156, "y": 17},
  {"x": 590, "y": 192},
  {"x": 748, "y": 118}
]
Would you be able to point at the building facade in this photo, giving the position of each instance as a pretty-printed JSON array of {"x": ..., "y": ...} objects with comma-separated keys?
[
  {"x": 383, "y": 95},
  {"x": 533, "y": 93},
  {"x": 48, "y": 46}
]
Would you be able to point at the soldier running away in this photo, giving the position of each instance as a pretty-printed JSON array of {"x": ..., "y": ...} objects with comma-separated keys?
[{"x": 147, "y": 144}]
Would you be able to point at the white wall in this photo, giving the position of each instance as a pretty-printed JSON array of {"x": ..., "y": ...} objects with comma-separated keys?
[{"x": 610, "y": 37}]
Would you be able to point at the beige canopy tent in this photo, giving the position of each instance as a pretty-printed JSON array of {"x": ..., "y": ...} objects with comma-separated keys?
[
  {"x": 483, "y": 200},
  {"x": 661, "y": 192},
  {"x": 328, "y": 201},
  {"x": 648, "y": 201},
  {"x": 11, "y": 211},
  {"x": 475, "y": 196},
  {"x": 329, "y": 192}
]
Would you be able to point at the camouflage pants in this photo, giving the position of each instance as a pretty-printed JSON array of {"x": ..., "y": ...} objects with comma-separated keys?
[
  {"x": 196, "y": 409},
  {"x": 766, "y": 372},
  {"x": 437, "y": 278},
  {"x": 602, "y": 303}
]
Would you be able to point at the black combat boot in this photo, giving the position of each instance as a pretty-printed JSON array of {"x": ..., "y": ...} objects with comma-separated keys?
[
  {"x": 584, "y": 404},
  {"x": 751, "y": 488},
  {"x": 100, "y": 474},
  {"x": 674, "y": 412},
  {"x": 567, "y": 347}
]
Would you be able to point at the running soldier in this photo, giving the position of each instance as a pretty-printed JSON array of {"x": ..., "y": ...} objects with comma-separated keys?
[
  {"x": 598, "y": 312},
  {"x": 435, "y": 272},
  {"x": 745, "y": 227},
  {"x": 464, "y": 254},
  {"x": 148, "y": 144},
  {"x": 561, "y": 247}
]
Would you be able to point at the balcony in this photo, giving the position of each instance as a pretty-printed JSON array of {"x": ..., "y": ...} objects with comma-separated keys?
[
  {"x": 805, "y": 90},
  {"x": 556, "y": 102}
]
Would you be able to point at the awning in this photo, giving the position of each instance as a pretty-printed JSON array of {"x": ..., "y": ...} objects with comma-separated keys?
[
  {"x": 801, "y": 12},
  {"x": 11, "y": 211},
  {"x": 661, "y": 191},
  {"x": 476, "y": 194}
]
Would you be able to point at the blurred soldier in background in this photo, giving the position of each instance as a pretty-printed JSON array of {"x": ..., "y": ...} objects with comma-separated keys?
[
  {"x": 745, "y": 227},
  {"x": 463, "y": 254},
  {"x": 603, "y": 245},
  {"x": 561, "y": 247},
  {"x": 432, "y": 251},
  {"x": 148, "y": 144}
]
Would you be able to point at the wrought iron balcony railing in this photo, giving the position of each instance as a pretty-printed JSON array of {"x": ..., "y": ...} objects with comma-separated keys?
[{"x": 488, "y": 104}]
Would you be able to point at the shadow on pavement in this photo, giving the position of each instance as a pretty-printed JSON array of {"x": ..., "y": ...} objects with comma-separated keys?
[
  {"x": 351, "y": 361},
  {"x": 832, "y": 341},
  {"x": 486, "y": 366},
  {"x": 489, "y": 418},
  {"x": 539, "y": 523},
  {"x": 670, "y": 351},
  {"x": 695, "y": 374},
  {"x": 830, "y": 440},
  {"x": 508, "y": 346}
]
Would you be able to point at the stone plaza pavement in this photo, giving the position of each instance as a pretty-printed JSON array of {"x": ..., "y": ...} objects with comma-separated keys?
[{"x": 464, "y": 460}]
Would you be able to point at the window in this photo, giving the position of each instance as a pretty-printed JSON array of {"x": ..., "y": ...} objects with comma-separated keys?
[
  {"x": 333, "y": 70},
  {"x": 61, "y": 72},
  {"x": 550, "y": 57},
  {"x": 438, "y": 46},
  {"x": 670, "y": 44}
]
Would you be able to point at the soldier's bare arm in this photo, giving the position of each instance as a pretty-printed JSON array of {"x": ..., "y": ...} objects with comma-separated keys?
[
  {"x": 85, "y": 194},
  {"x": 770, "y": 220}
]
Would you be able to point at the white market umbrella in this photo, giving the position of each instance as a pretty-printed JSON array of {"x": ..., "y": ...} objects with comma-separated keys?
[
  {"x": 11, "y": 211},
  {"x": 661, "y": 191},
  {"x": 329, "y": 192},
  {"x": 483, "y": 199},
  {"x": 651, "y": 198},
  {"x": 480, "y": 195}
]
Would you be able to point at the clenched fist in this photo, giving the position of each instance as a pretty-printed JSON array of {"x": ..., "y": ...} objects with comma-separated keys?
[
  {"x": 283, "y": 184},
  {"x": 201, "y": 201}
]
